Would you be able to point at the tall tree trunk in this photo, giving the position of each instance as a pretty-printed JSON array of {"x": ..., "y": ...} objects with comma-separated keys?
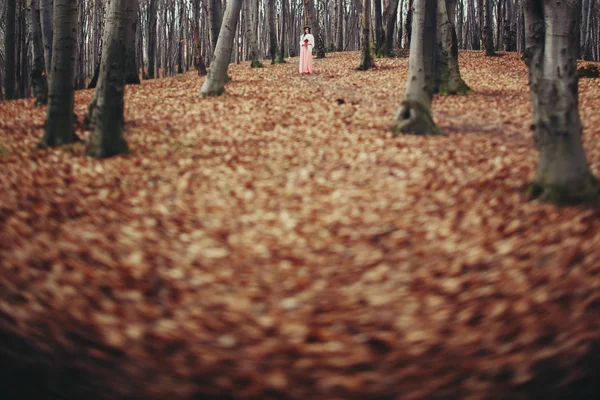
[
  {"x": 448, "y": 79},
  {"x": 340, "y": 25},
  {"x": 284, "y": 12},
  {"x": 198, "y": 57},
  {"x": 214, "y": 21},
  {"x": 390, "y": 16},
  {"x": 272, "y": 30},
  {"x": 379, "y": 33},
  {"x": 80, "y": 74},
  {"x": 180, "y": 44},
  {"x": 563, "y": 174},
  {"x": 488, "y": 31},
  {"x": 38, "y": 74},
  {"x": 414, "y": 114},
  {"x": 152, "y": 38},
  {"x": 9, "y": 46},
  {"x": 409, "y": 17},
  {"x": 47, "y": 21},
  {"x": 108, "y": 136},
  {"x": 60, "y": 119},
  {"x": 214, "y": 84},
  {"x": 367, "y": 61},
  {"x": 132, "y": 76},
  {"x": 251, "y": 37}
]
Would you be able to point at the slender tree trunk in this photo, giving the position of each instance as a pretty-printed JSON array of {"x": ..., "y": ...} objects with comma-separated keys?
[
  {"x": 563, "y": 174},
  {"x": 340, "y": 25},
  {"x": 488, "y": 40},
  {"x": 9, "y": 46},
  {"x": 379, "y": 33},
  {"x": 448, "y": 79},
  {"x": 214, "y": 21},
  {"x": 251, "y": 37},
  {"x": 108, "y": 137},
  {"x": 272, "y": 30},
  {"x": 390, "y": 16},
  {"x": 152, "y": 38},
  {"x": 133, "y": 75},
  {"x": 414, "y": 114},
  {"x": 284, "y": 11},
  {"x": 409, "y": 17},
  {"x": 214, "y": 84},
  {"x": 59, "y": 123},
  {"x": 38, "y": 74},
  {"x": 198, "y": 57},
  {"x": 367, "y": 61},
  {"x": 47, "y": 21}
]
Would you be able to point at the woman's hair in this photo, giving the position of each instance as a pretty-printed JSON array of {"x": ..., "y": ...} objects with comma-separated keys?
[{"x": 305, "y": 28}]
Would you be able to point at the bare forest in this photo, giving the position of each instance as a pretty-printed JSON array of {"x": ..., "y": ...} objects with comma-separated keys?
[{"x": 188, "y": 213}]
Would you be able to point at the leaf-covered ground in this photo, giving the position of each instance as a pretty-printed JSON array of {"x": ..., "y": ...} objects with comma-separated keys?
[{"x": 279, "y": 243}]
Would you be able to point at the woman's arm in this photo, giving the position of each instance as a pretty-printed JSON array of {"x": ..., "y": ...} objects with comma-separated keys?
[{"x": 311, "y": 40}]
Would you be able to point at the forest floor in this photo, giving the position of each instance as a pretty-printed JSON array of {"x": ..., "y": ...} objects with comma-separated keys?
[{"x": 279, "y": 242}]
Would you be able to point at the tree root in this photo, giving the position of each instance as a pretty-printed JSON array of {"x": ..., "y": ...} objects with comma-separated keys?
[{"x": 414, "y": 118}]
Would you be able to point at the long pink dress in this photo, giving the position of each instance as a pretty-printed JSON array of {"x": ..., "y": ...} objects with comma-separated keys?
[{"x": 306, "y": 54}]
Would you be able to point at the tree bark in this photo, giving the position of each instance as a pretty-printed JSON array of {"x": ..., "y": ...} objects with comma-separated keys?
[
  {"x": 409, "y": 17},
  {"x": 340, "y": 25},
  {"x": 563, "y": 174},
  {"x": 251, "y": 37},
  {"x": 109, "y": 102},
  {"x": 272, "y": 30},
  {"x": 10, "y": 72},
  {"x": 488, "y": 31},
  {"x": 311, "y": 14},
  {"x": 152, "y": 38},
  {"x": 448, "y": 79},
  {"x": 60, "y": 119},
  {"x": 38, "y": 74},
  {"x": 47, "y": 21},
  {"x": 214, "y": 84},
  {"x": 379, "y": 33},
  {"x": 284, "y": 12},
  {"x": 198, "y": 57},
  {"x": 132, "y": 75},
  {"x": 214, "y": 21},
  {"x": 367, "y": 61},
  {"x": 414, "y": 114},
  {"x": 390, "y": 15}
]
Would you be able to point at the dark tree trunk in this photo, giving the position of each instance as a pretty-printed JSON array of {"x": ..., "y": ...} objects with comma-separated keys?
[
  {"x": 152, "y": 38},
  {"x": 38, "y": 75},
  {"x": 10, "y": 73}
]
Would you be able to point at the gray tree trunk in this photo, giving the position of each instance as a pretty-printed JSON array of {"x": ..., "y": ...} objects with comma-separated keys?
[
  {"x": 47, "y": 21},
  {"x": 414, "y": 114},
  {"x": 214, "y": 84},
  {"x": 367, "y": 61},
  {"x": 108, "y": 136},
  {"x": 390, "y": 15},
  {"x": 272, "y": 30},
  {"x": 214, "y": 21},
  {"x": 38, "y": 74},
  {"x": 152, "y": 38},
  {"x": 284, "y": 12},
  {"x": 488, "y": 31},
  {"x": 9, "y": 46},
  {"x": 340, "y": 26},
  {"x": 563, "y": 174},
  {"x": 448, "y": 79},
  {"x": 60, "y": 119},
  {"x": 310, "y": 13},
  {"x": 133, "y": 75},
  {"x": 251, "y": 37}
]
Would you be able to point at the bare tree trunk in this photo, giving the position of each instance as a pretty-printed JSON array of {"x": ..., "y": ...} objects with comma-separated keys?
[
  {"x": 214, "y": 84},
  {"x": 414, "y": 114},
  {"x": 214, "y": 21},
  {"x": 409, "y": 17},
  {"x": 59, "y": 123},
  {"x": 132, "y": 76},
  {"x": 390, "y": 14},
  {"x": 38, "y": 74},
  {"x": 284, "y": 11},
  {"x": 251, "y": 37},
  {"x": 310, "y": 14},
  {"x": 152, "y": 38},
  {"x": 108, "y": 137},
  {"x": 448, "y": 79},
  {"x": 488, "y": 39},
  {"x": 379, "y": 33},
  {"x": 272, "y": 30},
  {"x": 563, "y": 174},
  {"x": 340, "y": 25},
  {"x": 9, "y": 46},
  {"x": 367, "y": 61},
  {"x": 47, "y": 21}
]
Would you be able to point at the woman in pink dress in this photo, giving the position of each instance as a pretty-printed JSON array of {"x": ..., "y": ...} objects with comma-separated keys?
[{"x": 307, "y": 42}]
